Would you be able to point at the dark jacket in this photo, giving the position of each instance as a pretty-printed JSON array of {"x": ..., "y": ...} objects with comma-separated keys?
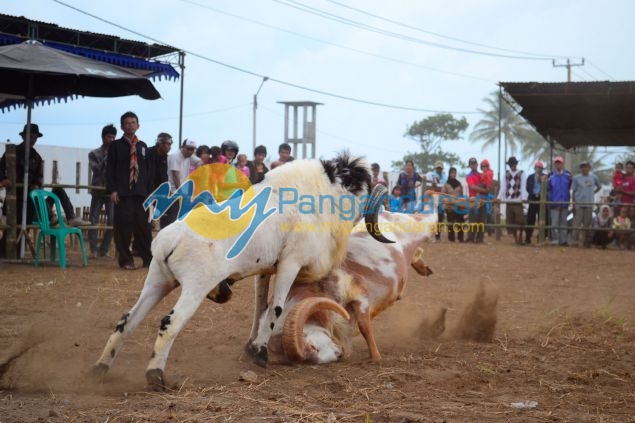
[
  {"x": 160, "y": 168},
  {"x": 255, "y": 177},
  {"x": 36, "y": 167},
  {"x": 118, "y": 170},
  {"x": 531, "y": 183},
  {"x": 97, "y": 160}
]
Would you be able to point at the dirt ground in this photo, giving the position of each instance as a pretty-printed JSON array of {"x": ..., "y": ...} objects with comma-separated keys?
[{"x": 563, "y": 338}]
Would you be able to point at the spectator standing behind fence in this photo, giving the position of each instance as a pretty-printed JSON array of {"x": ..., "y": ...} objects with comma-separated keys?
[
  {"x": 436, "y": 180},
  {"x": 395, "y": 199},
  {"x": 514, "y": 193},
  {"x": 179, "y": 165},
  {"x": 128, "y": 182},
  {"x": 409, "y": 180},
  {"x": 36, "y": 179},
  {"x": 97, "y": 160},
  {"x": 241, "y": 164},
  {"x": 202, "y": 152},
  {"x": 215, "y": 156},
  {"x": 618, "y": 178},
  {"x": 620, "y": 224},
  {"x": 453, "y": 188},
  {"x": 478, "y": 213},
  {"x": 627, "y": 190},
  {"x": 583, "y": 189},
  {"x": 602, "y": 223},
  {"x": 376, "y": 178},
  {"x": 257, "y": 167},
  {"x": 559, "y": 187},
  {"x": 284, "y": 155},
  {"x": 534, "y": 187},
  {"x": 158, "y": 157}
]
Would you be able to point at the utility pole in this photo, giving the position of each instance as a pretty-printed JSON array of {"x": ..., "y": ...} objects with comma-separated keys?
[
  {"x": 568, "y": 65},
  {"x": 182, "y": 67},
  {"x": 264, "y": 79}
]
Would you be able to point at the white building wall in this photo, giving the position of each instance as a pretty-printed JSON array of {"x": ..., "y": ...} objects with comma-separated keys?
[{"x": 67, "y": 162}]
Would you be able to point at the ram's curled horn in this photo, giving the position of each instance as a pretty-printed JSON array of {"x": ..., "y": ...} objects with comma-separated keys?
[
  {"x": 371, "y": 213},
  {"x": 293, "y": 330}
]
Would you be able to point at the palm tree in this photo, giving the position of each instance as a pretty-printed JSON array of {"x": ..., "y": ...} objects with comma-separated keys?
[{"x": 515, "y": 130}]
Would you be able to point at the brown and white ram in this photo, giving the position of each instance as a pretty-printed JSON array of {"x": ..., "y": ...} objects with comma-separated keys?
[{"x": 317, "y": 326}]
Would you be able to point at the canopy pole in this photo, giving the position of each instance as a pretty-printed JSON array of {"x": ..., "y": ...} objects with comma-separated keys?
[
  {"x": 25, "y": 181},
  {"x": 496, "y": 209},
  {"x": 500, "y": 127},
  {"x": 182, "y": 67}
]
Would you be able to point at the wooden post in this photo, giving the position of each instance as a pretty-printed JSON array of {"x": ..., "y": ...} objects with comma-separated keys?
[
  {"x": 11, "y": 233},
  {"x": 542, "y": 213}
]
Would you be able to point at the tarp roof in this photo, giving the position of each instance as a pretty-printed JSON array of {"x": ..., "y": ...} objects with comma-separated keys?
[
  {"x": 577, "y": 114},
  {"x": 106, "y": 48},
  {"x": 44, "y": 31},
  {"x": 102, "y": 47}
]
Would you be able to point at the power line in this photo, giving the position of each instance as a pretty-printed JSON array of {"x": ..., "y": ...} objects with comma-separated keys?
[
  {"x": 370, "y": 28},
  {"x": 436, "y": 34},
  {"x": 580, "y": 76},
  {"x": 339, "y": 137},
  {"x": 297, "y": 34},
  {"x": 590, "y": 75},
  {"x": 279, "y": 81},
  {"x": 600, "y": 70},
  {"x": 157, "y": 119}
]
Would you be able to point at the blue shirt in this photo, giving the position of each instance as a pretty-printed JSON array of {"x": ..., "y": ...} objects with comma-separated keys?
[
  {"x": 584, "y": 188},
  {"x": 559, "y": 185}
]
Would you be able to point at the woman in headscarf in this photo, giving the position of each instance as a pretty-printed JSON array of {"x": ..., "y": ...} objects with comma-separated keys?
[
  {"x": 453, "y": 187},
  {"x": 602, "y": 237}
]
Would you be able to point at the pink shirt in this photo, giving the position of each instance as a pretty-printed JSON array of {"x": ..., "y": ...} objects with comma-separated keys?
[{"x": 628, "y": 184}]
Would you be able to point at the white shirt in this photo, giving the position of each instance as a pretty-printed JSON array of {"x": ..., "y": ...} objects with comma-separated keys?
[
  {"x": 506, "y": 191},
  {"x": 177, "y": 162}
]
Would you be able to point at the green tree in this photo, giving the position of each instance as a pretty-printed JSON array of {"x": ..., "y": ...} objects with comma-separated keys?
[
  {"x": 430, "y": 133},
  {"x": 514, "y": 129}
]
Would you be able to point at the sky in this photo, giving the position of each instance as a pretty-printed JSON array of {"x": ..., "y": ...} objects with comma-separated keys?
[{"x": 434, "y": 56}]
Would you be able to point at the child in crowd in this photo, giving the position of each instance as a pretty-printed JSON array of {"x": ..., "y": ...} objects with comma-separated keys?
[
  {"x": 395, "y": 199},
  {"x": 618, "y": 178},
  {"x": 215, "y": 156},
  {"x": 487, "y": 178},
  {"x": 620, "y": 223},
  {"x": 603, "y": 237},
  {"x": 241, "y": 164}
]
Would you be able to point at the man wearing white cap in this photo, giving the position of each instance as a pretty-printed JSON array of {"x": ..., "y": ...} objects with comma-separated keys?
[
  {"x": 180, "y": 164},
  {"x": 559, "y": 185}
]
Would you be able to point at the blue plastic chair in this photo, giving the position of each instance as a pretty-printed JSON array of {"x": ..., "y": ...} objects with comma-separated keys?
[{"x": 39, "y": 197}]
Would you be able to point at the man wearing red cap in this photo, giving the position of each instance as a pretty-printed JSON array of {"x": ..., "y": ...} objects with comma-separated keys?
[
  {"x": 534, "y": 186},
  {"x": 559, "y": 186}
]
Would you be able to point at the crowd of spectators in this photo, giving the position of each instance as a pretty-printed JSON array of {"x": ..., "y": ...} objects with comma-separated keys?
[
  {"x": 126, "y": 170},
  {"x": 572, "y": 216}
]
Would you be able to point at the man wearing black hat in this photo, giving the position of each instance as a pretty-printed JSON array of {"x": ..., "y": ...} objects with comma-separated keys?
[
  {"x": 35, "y": 178},
  {"x": 36, "y": 171},
  {"x": 513, "y": 192}
]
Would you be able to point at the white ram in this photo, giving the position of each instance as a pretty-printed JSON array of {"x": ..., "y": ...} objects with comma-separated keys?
[{"x": 199, "y": 264}]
